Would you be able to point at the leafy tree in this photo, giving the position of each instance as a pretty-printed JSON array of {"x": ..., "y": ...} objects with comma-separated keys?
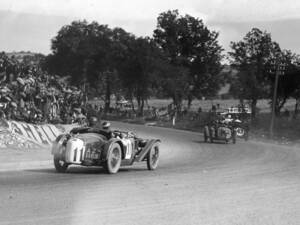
[
  {"x": 88, "y": 52},
  {"x": 138, "y": 69},
  {"x": 250, "y": 57},
  {"x": 79, "y": 50},
  {"x": 188, "y": 44},
  {"x": 289, "y": 81}
]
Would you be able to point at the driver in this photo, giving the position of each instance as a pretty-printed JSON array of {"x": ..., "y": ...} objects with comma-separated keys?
[
  {"x": 93, "y": 122},
  {"x": 103, "y": 128},
  {"x": 106, "y": 128}
]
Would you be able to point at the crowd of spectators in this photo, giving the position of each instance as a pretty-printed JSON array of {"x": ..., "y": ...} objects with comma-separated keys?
[{"x": 29, "y": 94}]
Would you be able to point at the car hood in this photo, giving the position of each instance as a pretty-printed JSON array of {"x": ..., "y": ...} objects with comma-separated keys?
[{"x": 91, "y": 137}]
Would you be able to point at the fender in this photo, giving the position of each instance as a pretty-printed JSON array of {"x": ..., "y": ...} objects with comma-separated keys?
[
  {"x": 55, "y": 144},
  {"x": 107, "y": 146},
  {"x": 146, "y": 149}
]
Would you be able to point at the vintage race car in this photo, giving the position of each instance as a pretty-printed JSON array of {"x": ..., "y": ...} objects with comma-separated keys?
[
  {"x": 219, "y": 132},
  {"x": 91, "y": 147}
]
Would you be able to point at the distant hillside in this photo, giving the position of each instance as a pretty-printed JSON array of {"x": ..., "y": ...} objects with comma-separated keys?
[{"x": 29, "y": 58}]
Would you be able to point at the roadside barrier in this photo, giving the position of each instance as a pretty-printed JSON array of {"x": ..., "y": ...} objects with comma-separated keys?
[{"x": 20, "y": 134}]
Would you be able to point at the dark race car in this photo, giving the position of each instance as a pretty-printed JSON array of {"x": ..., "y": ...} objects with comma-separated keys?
[
  {"x": 95, "y": 147},
  {"x": 219, "y": 131}
]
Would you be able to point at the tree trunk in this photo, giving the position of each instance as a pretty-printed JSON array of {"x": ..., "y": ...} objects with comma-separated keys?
[
  {"x": 177, "y": 104},
  {"x": 279, "y": 106},
  {"x": 138, "y": 99},
  {"x": 190, "y": 99},
  {"x": 142, "y": 107},
  {"x": 253, "y": 108},
  {"x": 107, "y": 94},
  {"x": 296, "y": 108}
]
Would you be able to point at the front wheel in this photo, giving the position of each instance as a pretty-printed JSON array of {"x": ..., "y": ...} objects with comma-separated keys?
[
  {"x": 114, "y": 158},
  {"x": 153, "y": 157},
  {"x": 60, "y": 165}
]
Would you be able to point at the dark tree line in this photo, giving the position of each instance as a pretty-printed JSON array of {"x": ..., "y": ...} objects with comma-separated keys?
[{"x": 181, "y": 61}]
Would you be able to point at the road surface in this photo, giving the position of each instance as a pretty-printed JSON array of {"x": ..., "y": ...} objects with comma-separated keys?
[{"x": 196, "y": 183}]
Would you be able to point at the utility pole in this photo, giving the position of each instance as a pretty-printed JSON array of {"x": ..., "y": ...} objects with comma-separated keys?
[{"x": 280, "y": 67}]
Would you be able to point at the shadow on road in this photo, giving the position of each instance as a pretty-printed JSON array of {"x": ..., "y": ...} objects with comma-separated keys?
[
  {"x": 209, "y": 143},
  {"x": 86, "y": 170}
]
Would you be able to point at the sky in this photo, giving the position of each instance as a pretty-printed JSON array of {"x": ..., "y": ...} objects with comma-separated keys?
[{"x": 29, "y": 25}]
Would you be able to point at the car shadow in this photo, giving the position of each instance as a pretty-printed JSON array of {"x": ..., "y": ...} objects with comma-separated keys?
[
  {"x": 209, "y": 143},
  {"x": 73, "y": 170}
]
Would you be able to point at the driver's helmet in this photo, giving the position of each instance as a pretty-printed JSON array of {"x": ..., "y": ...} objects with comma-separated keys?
[
  {"x": 93, "y": 121},
  {"x": 106, "y": 125}
]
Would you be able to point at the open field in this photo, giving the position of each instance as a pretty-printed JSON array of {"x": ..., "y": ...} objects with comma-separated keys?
[
  {"x": 263, "y": 105},
  {"x": 286, "y": 129}
]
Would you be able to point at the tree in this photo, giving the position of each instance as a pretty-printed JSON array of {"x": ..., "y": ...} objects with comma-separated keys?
[
  {"x": 251, "y": 57},
  {"x": 137, "y": 69},
  {"x": 80, "y": 50},
  {"x": 289, "y": 81},
  {"x": 89, "y": 53},
  {"x": 190, "y": 47}
]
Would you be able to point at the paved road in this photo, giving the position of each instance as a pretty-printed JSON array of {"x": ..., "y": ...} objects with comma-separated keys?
[{"x": 196, "y": 183}]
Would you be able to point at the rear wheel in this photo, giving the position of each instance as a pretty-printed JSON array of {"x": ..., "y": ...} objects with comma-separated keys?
[
  {"x": 240, "y": 132},
  {"x": 60, "y": 165},
  {"x": 153, "y": 157},
  {"x": 114, "y": 158}
]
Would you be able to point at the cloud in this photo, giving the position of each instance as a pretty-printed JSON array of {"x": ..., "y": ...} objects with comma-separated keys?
[
  {"x": 284, "y": 31},
  {"x": 217, "y": 10},
  {"x": 30, "y": 24},
  {"x": 28, "y": 32},
  {"x": 255, "y": 10},
  {"x": 95, "y": 9}
]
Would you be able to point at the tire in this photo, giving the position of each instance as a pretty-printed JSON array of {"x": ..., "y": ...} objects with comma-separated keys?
[
  {"x": 60, "y": 166},
  {"x": 240, "y": 132},
  {"x": 153, "y": 157},
  {"x": 114, "y": 158}
]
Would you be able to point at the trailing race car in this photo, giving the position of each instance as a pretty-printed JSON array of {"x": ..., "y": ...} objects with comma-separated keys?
[
  {"x": 92, "y": 147},
  {"x": 219, "y": 131}
]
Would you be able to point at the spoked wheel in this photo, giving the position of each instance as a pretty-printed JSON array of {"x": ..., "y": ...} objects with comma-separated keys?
[
  {"x": 60, "y": 165},
  {"x": 153, "y": 157},
  {"x": 240, "y": 132},
  {"x": 114, "y": 159}
]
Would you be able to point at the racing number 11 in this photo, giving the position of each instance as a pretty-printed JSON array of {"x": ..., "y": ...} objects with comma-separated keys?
[{"x": 129, "y": 147}]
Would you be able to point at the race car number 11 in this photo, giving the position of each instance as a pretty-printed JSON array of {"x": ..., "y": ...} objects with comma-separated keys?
[{"x": 129, "y": 148}]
